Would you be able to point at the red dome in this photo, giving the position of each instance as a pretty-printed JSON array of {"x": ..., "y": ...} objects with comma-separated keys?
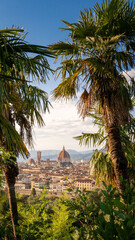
[
  {"x": 31, "y": 161},
  {"x": 63, "y": 155}
]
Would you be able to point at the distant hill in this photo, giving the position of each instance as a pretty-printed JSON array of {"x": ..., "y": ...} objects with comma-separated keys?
[{"x": 52, "y": 154}]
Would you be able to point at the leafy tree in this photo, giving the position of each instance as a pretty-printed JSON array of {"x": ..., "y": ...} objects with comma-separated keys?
[
  {"x": 61, "y": 222},
  {"x": 35, "y": 217},
  {"x": 99, "y": 48},
  {"x": 45, "y": 219}
]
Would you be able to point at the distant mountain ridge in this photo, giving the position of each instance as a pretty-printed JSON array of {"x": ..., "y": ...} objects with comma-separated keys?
[{"x": 52, "y": 154}]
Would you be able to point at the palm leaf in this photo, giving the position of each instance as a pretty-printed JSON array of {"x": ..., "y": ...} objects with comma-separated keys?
[
  {"x": 88, "y": 139},
  {"x": 101, "y": 167},
  {"x": 10, "y": 138}
]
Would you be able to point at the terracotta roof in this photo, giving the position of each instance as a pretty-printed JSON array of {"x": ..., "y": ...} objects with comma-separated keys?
[{"x": 85, "y": 180}]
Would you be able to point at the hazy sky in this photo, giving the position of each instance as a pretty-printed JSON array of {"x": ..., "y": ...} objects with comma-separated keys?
[{"x": 42, "y": 20}]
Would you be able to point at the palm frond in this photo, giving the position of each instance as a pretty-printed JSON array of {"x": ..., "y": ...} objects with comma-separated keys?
[
  {"x": 62, "y": 48},
  {"x": 101, "y": 167},
  {"x": 88, "y": 139},
  {"x": 85, "y": 103},
  {"x": 15, "y": 60},
  {"x": 10, "y": 139},
  {"x": 21, "y": 103},
  {"x": 66, "y": 89}
]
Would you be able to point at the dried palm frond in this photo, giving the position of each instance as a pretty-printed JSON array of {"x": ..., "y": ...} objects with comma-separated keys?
[{"x": 85, "y": 103}]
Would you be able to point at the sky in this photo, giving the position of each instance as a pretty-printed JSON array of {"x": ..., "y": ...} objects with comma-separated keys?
[{"x": 42, "y": 20}]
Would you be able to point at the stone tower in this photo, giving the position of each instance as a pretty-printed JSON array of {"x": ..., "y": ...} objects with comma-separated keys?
[
  {"x": 38, "y": 158},
  {"x": 48, "y": 162}
]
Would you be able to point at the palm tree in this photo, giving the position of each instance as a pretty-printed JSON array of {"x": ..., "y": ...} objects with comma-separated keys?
[
  {"x": 100, "y": 162},
  {"x": 101, "y": 48},
  {"x": 24, "y": 113},
  {"x": 16, "y": 68},
  {"x": 21, "y": 103}
]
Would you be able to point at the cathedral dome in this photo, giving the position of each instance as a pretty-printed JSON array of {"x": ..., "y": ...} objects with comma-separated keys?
[
  {"x": 31, "y": 162},
  {"x": 63, "y": 155}
]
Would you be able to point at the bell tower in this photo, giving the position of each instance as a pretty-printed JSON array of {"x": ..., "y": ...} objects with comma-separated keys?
[
  {"x": 38, "y": 158},
  {"x": 48, "y": 162}
]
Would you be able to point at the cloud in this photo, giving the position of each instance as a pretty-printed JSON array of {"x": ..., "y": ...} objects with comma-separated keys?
[
  {"x": 129, "y": 74},
  {"x": 62, "y": 124}
]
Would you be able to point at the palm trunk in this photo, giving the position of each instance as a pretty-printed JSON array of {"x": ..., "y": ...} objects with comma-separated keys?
[
  {"x": 13, "y": 207},
  {"x": 113, "y": 118},
  {"x": 117, "y": 155},
  {"x": 11, "y": 172}
]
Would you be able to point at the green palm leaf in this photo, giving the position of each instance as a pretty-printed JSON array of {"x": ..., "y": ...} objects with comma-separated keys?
[{"x": 10, "y": 138}]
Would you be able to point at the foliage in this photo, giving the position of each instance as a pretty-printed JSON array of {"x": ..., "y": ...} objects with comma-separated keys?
[
  {"x": 5, "y": 156},
  {"x": 100, "y": 162},
  {"x": 96, "y": 53},
  {"x": 61, "y": 222},
  {"x": 100, "y": 214},
  {"x": 112, "y": 218},
  {"x": 5, "y": 219},
  {"x": 21, "y": 102},
  {"x": 44, "y": 219},
  {"x": 128, "y": 140}
]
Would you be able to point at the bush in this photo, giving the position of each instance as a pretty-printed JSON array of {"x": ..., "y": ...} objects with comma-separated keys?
[
  {"x": 111, "y": 218},
  {"x": 97, "y": 215}
]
